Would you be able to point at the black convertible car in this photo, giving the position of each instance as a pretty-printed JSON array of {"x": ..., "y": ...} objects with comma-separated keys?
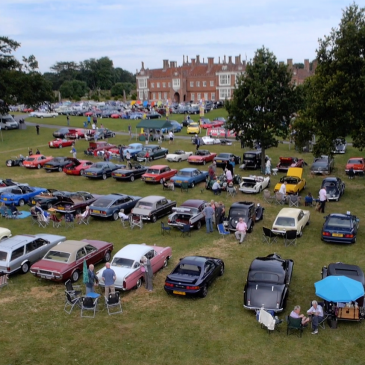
[
  {"x": 57, "y": 164},
  {"x": 267, "y": 283},
  {"x": 48, "y": 198},
  {"x": 193, "y": 275},
  {"x": 134, "y": 171},
  {"x": 15, "y": 161},
  {"x": 101, "y": 170},
  {"x": 334, "y": 186}
]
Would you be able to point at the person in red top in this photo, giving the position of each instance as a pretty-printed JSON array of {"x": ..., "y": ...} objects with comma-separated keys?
[{"x": 147, "y": 156}]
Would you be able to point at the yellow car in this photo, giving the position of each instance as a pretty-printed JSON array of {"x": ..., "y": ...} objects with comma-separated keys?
[
  {"x": 293, "y": 178},
  {"x": 193, "y": 128}
]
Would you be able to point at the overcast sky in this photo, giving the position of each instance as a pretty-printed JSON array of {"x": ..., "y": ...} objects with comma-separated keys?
[{"x": 129, "y": 32}]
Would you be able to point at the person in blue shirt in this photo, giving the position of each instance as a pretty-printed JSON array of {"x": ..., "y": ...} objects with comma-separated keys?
[
  {"x": 208, "y": 214},
  {"x": 109, "y": 278}
]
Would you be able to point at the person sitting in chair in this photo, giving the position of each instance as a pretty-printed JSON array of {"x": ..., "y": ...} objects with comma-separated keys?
[
  {"x": 14, "y": 210},
  {"x": 80, "y": 217},
  {"x": 216, "y": 188},
  {"x": 316, "y": 311},
  {"x": 38, "y": 209},
  {"x": 122, "y": 215},
  {"x": 295, "y": 313},
  {"x": 308, "y": 200}
]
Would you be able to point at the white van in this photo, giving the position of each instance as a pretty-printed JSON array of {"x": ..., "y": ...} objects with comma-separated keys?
[{"x": 8, "y": 122}]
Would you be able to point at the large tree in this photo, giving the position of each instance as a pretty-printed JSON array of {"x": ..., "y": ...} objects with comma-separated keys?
[
  {"x": 73, "y": 89},
  {"x": 263, "y": 101},
  {"x": 20, "y": 82},
  {"x": 336, "y": 96}
]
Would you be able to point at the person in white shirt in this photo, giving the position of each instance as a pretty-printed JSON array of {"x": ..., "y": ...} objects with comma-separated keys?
[
  {"x": 229, "y": 176},
  {"x": 322, "y": 199},
  {"x": 171, "y": 137},
  {"x": 282, "y": 189},
  {"x": 122, "y": 215},
  {"x": 216, "y": 188},
  {"x": 268, "y": 167},
  {"x": 317, "y": 316}
]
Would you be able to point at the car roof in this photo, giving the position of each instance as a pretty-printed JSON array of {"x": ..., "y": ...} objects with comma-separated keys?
[
  {"x": 22, "y": 239},
  {"x": 152, "y": 198},
  {"x": 194, "y": 260},
  {"x": 193, "y": 203},
  {"x": 111, "y": 196},
  {"x": 70, "y": 246},
  {"x": 134, "y": 251},
  {"x": 339, "y": 215},
  {"x": 189, "y": 169},
  {"x": 351, "y": 271},
  {"x": 289, "y": 212},
  {"x": 241, "y": 204},
  {"x": 158, "y": 166}
]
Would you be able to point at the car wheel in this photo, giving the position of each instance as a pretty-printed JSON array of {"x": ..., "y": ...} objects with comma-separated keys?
[
  {"x": 25, "y": 267},
  {"x": 204, "y": 162},
  {"x": 20, "y": 163},
  {"x": 21, "y": 202},
  {"x": 115, "y": 216},
  {"x": 300, "y": 234},
  {"x": 336, "y": 200},
  {"x": 132, "y": 177},
  {"x": 199, "y": 225},
  {"x": 165, "y": 263},
  {"x": 260, "y": 189},
  {"x": 251, "y": 228},
  {"x": 161, "y": 182},
  {"x": 153, "y": 219},
  {"x": 75, "y": 276},
  {"x": 39, "y": 166},
  {"x": 107, "y": 256},
  {"x": 60, "y": 169},
  {"x": 104, "y": 176},
  {"x": 82, "y": 172},
  {"x": 204, "y": 291},
  {"x": 179, "y": 160},
  {"x": 221, "y": 271},
  {"x": 139, "y": 283},
  {"x": 268, "y": 184},
  {"x": 192, "y": 184},
  {"x": 60, "y": 146},
  {"x": 308, "y": 223}
]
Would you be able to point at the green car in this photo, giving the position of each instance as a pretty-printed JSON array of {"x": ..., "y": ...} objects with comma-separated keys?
[{"x": 155, "y": 152}]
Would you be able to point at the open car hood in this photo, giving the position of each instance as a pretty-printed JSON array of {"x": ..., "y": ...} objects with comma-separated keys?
[{"x": 295, "y": 172}]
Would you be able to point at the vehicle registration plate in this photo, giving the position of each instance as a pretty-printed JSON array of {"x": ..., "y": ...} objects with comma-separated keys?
[
  {"x": 179, "y": 292},
  {"x": 96, "y": 211},
  {"x": 43, "y": 276},
  {"x": 68, "y": 171},
  {"x": 118, "y": 175},
  {"x": 61, "y": 208},
  {"x": 178, "y": 181},
  {"x": 5, "y": 199},
  {"x": 148, "y": 178},
  {"x": 337, "y": 235},
  {"x": 48, "y": 166},
  {"x": 219, "y": 161}
]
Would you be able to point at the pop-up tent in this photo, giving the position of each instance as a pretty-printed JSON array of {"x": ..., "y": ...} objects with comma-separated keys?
[{"x": 154, "y": 124}]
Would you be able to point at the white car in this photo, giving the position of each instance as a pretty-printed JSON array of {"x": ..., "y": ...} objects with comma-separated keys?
[
  {"x": 290, "y": 219},
  {"x": 44, "y": 114},
  {"x": 210, "y": 140},
  {"x": 127, "y": 267},
  {"x": 4, "y": 233},
  {"x": 178, "y": 156},
  {"x": 254, "y": 184}
]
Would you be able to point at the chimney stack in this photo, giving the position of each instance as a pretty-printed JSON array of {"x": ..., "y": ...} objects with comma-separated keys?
[
  {"x": 224, "y": 59},
  {"x": 193, "y": 61},
  {"x": 219, "y": 59},
  {"x": 165, "y": 64},
  {"x": 290, "y": 62},
  {"x": 237, "y": 60},
  {"x": 197, "y": 59},
  {"x": 172, "y": 64},
  {"x": 230, "y": 59},
  {"x": 306, "y": 65},
  {"x": 142, "y": 65},
  {"x": 210, "y": 62}
]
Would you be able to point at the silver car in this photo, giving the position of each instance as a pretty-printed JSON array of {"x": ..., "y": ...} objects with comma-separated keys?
[{"x": 21, "y": 251}]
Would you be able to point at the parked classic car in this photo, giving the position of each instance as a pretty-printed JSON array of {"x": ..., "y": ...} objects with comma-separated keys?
[
  {"x": 291, "y": 219},
  {"x": 8, "y": 184},
  {"x": 4, "y": 234},
  {"x": 254, "y": 184},
  {"x": 339, "y": 145},
  {"x": 60, "y": 143},
  {"x": 94, "y": 147},
  {"x": 193, "y": 128},
  {"x": 75, "y": 202},
  {"x": 20, "y": 194},
  {"x": 287, "y": 162},
  {"x": 108, "y": 206},
  {"x": 101, "y": 170},
  {"x": 65, "y": 261},
  {"x": 158, "y": 174},
  {"x": 357, "y": 164},
  {"x": 77, "y": 167},
  {"x": 19, "y": 252},
  {"x": 295, "y": 182},
  {"x": 127, "y": 267},
  {"x": 40, "y": 114},
  {"x": 207, "y": 140},
  {"x": 252, "y": 159},
  {"x": 101, "y": 133},
  {"x": 225, "y": 157},
  {"x": 201, "y": 157},
  {"x": 178, "y": 156},
  {"x": 61, "y": 133},
  {"x": 155, "y": 152},
  {"x": 267, "y": 284},
  {"x": 133, "y": 171},
  {"x": 193, "y": 275},
  {"x": 340, "y": 269},
  {"x": 190, "y": 175},
  {"x": 76, "y": 133},
  {"x": 153, "y": 207},
  {"x": 175, "y": 127},
  {"x": 36, "y": 161},
  {"x": 340, "y": 228},
  {"x": 15, "y": 161},
  {"x": 47, "y": 198},
  {"x": 334, "y": 186},
  {"x": 190, "y": 212},
  {"x": 246, "y": 210},
  {"x": 133, "y": 149},
  {"x": 57, "y": 164},
  {"x": 153, "y": 115},
  {"x": 323, "y": 165}
]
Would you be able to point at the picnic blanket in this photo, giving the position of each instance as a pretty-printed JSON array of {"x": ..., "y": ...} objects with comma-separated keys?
[{"x": 23, "y": 214}]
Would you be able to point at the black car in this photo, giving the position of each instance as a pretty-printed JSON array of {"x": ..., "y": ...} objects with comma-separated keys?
[
  {"x": 339, "y": 145},
  {"x": 267, "y": 284},
  {"x": 246, "y": 210},
  {"x": 322, "y": 165},
  {"x": 340, "y": 228},
  {"x": 48, "y": 198},
  {"x": 153, "y": 115},
  {"x": 15, "y": 161},
  {"x": 222, "y": 159},
  {"x": 193, "y": 275},
  {"x": 334, "y": 186},
  {"x": 61, "y": 133},
  {"x": 101, "y": 170},
  {"x": 155, "y": 152},
  {"x": 218, "y": 104},
  {"x": 133, "y": 171},
  {"x": 108, "y": 206},
  {"x": 103, "y": 133},
  {"x": 57, "y": 164},
  {"x": 252, "y": 159}
]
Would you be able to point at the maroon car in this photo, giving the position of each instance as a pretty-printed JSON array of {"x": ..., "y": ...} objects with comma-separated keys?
[
  {"x": 98, "y": 146},
  {"x": 65, "y": 261},
  {"x": 75, "y": 203},
  {"x": 286, "y": 162},
  {"x": 75, "y": 133}
]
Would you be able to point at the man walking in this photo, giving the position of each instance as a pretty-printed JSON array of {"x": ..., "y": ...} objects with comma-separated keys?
[
  {"x": 109, "y": 278},
  {"x": 130, "y": 131},
  {"x": 37, "y": 128},
  {"x": 208, "y": 214},
  {"x": 88, "y": 120},
  {"x": 197, "y": 141},
  {"x": 322, "y": 199},
  {"x": 73, "y": 151},
  {"x": 241, "y": 229}
]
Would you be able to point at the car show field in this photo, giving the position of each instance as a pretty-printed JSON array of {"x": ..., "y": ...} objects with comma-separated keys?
[{"x": 156, "y": 328}]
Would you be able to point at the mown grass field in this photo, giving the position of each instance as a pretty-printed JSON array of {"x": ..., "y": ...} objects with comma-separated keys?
[{"x": 159, "y": 329}]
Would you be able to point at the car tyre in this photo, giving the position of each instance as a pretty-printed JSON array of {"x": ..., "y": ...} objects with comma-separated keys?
[
  {"x": 132, "y": 178},
  {"x": 165, "y": 263},
  {"x": 104, "y": 176},
  {"x": 25, "y": 267},
  {"x": 153, "y": 219},
  {"x": 60, "y": 146},
  {"x": 39, "y": 166},
  {"x": 204, "y": 291},
  {"x": 300, "y": 233},
  {"x": 60, "y": 169},
  {"x": 251, "y": 228},
  {"x": 107, "y": 256},
  {"x": 75, "y": 276},
  {"x": 49, "y": 206},
  {"x": 204, "y": 162},
  {"x": 21, "y": 202},
  {"x": 221, "y": 271},
  {"x": 82, "y": 172},
  {"x": 192, "y": 184},
  {"x": 199, "y": 225},
  {"x": 115, "y": 216},
  {"x": 139, "y": 283},
  {"x": 20, "y": 163}
]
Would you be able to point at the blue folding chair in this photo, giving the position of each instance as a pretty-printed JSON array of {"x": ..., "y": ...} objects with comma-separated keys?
[{"x": 222, "y": 231}]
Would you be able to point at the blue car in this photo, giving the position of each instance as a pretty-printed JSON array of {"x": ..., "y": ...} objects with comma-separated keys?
[
  {"x": 20, "y": 194},
  {"x": 340, "y": 228},
  {"x": 189, "y": 175},
  {"x": 176, "y": 127},
  {"x": 133, "y": 149},
  {"x": 108, "y": 206}
]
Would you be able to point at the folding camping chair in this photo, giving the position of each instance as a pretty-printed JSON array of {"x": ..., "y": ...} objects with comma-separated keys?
[
  {"x": 279, "y": 198},
  {"x": 294, "y": 200},
  {"x": 113, "y": 304},
  {"x": 69, "y": 220},
  {"x": 42, "y": 221},
  {"x": 165, "y": 228},
  {"x": 268, "y": 236},
  {"x": 231, "y": 191},
  {"x": 135, "y": 221},
  {"x": 222, "y": 231},
  {"x": 268, "y": 198},
  {"x": 71, "y": 301},
  {"x": 290, "y": 238},
  {"x": 88, "y": 304},
  {"x": 185, "y": 230}
]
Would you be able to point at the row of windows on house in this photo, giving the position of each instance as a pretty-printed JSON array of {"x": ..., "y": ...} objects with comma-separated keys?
[
  {"x": 223, "y": 94},
  {"x": 223, "y": 80}
]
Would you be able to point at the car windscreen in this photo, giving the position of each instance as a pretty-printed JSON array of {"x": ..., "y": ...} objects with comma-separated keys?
[
  {"x": 285, "y": 222},
  {"x": 144, "y": 205},
  {"x": 338, "y": 222},
  {"x": 122, "y": 262},
  {"x": 238, "y": 212},
  {"x": 354, "y": 162},
  {"x": 30, "y": 159},
  {"x": 102, "y": 203},
  {"x": 187, "y": 269},
  {"x": 266, "y": 277},
  {"x": 3, "y": 255},
  {"x": 184, "y": 173},
  {"x": 249, "y": 156},
  {"x": 223, "y": 155},
  {"x": 153, "y": 171},
  {"x": 57, "y": 256}
]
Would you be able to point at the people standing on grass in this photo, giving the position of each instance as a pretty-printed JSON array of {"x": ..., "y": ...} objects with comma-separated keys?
[
  {"x": 171, "y": 137},
  {"x": 73, "y": 151},
  {"x": 37, "y": 128},
  {"x": 268, "y": 167},
  {"x": 208, "y": 214},
  {"x": 322, "y": 199},
  {"x": 92, "y": 280},
  {"x": 109, "y": 278},
  {"x": 148, "y": 272},
  {"x": 88, "y": 120},
  {"x": 68, "y": 120}
]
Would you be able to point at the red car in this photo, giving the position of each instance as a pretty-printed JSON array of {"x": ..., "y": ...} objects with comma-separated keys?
[
  {"x": 206, "y": 123},
  {"x": 105, "y": 147},
  {"x": 286, "y": 162},
  {"x": 201, "y": 157},
  {"x": 75, "y": 133},
  {"x": 116, "y": 116},
  {"x": 60, "y": 143},
  {"x": 77, "y": 167},
  {"x": 36, "y": 161},
  {"x": 99, "y": 145},
  {"x": 357, "y": 163},
  {"x": 156, "y": 174},
  {"x": 88, "y": 114},
  {"x": 65, "y": 261},
  {"x": 28, "y": 110}
]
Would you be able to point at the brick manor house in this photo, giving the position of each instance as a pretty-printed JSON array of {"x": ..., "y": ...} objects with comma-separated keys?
[{"x": 195, "y": 79}]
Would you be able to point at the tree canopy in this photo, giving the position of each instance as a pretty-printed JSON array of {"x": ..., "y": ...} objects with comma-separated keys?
[{"x": 263, "y": 101}]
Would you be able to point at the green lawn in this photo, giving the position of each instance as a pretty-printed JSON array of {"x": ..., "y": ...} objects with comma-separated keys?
[{"x": 159, "y": 329}]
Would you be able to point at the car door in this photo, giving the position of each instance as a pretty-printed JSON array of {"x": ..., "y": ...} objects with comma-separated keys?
[
  {"x": 79, "y": 262},
  {"x": 93, "y": 255},
  {"x": 35, "y": 250},
  {"x": 154, "y": 259},
  {"x": 209, "y": 272}
]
